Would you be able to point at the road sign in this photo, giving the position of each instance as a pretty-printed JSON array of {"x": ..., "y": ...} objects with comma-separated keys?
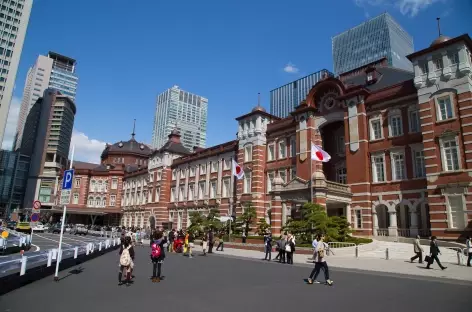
[
  {"x": 35, "y": 217},
  {"x": 36, "y": 206},
  {"x": 65, "y": 197},
  {"x": 5, "y": 234},
  {"x": 67, "y": 179}
]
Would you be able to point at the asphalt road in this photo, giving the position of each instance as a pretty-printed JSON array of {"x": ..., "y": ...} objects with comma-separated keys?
[
  {"x": 218, "y": 283},
  {"x": 47, "y": 241}
]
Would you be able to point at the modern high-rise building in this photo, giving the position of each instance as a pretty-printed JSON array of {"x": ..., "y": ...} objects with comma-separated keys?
[
  {"x": 52, "y": 71},
  {"x": 46, "y": 140},
  {"x": 284, "y": 99},
  {"x": 14, "y": 18},
  {"x": 176, "y": 108},
  {"x": 377, "y": 38}
]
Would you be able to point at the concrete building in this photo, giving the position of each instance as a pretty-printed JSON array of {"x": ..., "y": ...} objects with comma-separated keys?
[
  {"x": 13, "y": 174},
  {"x": 379, "y": 37},
  {"x": 184, "y": 110},
  {"x": 46, "y": 140},
  {"x": 14, "y": 18},
  {"x": 284, "y": 99},
  {"x": 52, "y": 71}
]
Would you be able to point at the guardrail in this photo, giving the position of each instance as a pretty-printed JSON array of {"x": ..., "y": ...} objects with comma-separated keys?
[
  {"x": 20, "y": 264},
  {"x": 15, "y": 239}
]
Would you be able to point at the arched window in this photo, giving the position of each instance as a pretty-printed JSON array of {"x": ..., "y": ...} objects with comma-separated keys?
[
  {"x": 100, "y": 186},
  {"x": 97, "y": 201},
  {"x": 93, "y": 186},
  {"x": 104, "y": 201},
  {"x": 302, "y": 123},
  {"x": 90, "y": 201}
]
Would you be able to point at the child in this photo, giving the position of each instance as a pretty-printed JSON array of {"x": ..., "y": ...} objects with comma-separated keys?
[{"x": 158, "y": 245}]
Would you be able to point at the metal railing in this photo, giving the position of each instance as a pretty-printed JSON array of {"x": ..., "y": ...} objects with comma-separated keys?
[
  {"x": 14, "y": 239},
  {"x": 20, "y": 263}
]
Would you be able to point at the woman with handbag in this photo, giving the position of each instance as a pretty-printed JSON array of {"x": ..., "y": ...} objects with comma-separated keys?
[
  {"x": 289, "y": 249},
  {"x": 126, "y": 261}
]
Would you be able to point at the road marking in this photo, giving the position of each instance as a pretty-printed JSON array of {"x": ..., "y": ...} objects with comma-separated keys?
[
  {"x": 37, "y": 247},
  {"x": 51, "y": 239}
]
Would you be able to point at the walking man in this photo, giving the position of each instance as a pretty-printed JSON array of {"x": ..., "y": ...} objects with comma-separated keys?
[
  {"x": 211, "y": 241},
  {"x": 418, "y": 250},
  {"x": 268, "y": 246},
  {"x": 469, "y": 250},
  {"x": 434, "y": 252}
]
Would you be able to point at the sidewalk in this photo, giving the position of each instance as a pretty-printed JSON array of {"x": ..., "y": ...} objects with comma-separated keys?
[{"x": 453, "y": 271}]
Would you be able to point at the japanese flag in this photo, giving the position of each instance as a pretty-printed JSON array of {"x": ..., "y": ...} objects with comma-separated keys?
[
  {"x": 237, "y": 170},
  {"x": 318, "y": 154}
]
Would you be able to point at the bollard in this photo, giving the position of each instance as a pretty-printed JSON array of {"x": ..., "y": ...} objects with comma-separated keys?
[
  {"x": 100, "y": 246},
  {"x": 357, "y": 251},
  {"x": 92, "y": 247},
  {"x": 76, "y": 252},
  {"x": 49, "y": 258},
  {"x": 23, "y": 261},
  {"x": 87, "y": 249},
  {"x": 114, "y": 241},
  {"x": 54, "y": 254},
  {"x": 386, "y": 254}
]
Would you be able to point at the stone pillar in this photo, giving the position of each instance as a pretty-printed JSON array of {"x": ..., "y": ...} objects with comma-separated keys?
[
  {"x": 413, "y": 223},
  {"x": 375, "y": 220},
  {"x": 276, "y": 214},
  {"x": 284, "y": 213},
  {"x": 348, "y": 214},
  {"x": 392, "y": 229}
]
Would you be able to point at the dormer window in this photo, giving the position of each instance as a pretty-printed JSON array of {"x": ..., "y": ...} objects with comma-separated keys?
[
  {"x": 424, "y": 68},
  {"x": 438, "y": 63},
  {"x": 454, "y": 58}
]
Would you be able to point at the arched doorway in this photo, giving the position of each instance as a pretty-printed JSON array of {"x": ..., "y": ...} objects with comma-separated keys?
[
  {"x": 383, "y": 220},
  {"x": 152, "y": 222},
  {"x": 403, "y": 220},
  {"x": 332, "y": 138}
]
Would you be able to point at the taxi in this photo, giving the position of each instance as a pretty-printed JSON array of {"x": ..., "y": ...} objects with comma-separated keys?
[{"x": 24, "y": 227}]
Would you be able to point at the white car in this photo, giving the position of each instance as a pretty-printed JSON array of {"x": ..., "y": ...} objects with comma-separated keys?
[{"x": 38, "y": 227}]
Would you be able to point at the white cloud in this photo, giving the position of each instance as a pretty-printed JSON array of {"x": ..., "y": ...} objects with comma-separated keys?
[
  {"x": 10, "y": 129},
  {"x": 86, "y": 149},
  {"x": 291, "y": 68},
  {"x": 406, "y": 7}
]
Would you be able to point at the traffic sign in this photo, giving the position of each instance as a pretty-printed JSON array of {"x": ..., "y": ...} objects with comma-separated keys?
[
  {"x": 35, "y": 217},
  {"x": 67, "y": 179},
  {"x": 36, "y": 205},
  {"x": 5, "y": 234},
  {"x": 65, "y": 197}
]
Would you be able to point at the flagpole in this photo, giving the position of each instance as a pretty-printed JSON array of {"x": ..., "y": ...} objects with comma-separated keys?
[
  {"x": 231, "y": 199},
  {"x": 311, "y": 172}
]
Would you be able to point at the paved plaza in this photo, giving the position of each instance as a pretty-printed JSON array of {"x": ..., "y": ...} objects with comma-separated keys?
[{"x": 225, "y": 283}]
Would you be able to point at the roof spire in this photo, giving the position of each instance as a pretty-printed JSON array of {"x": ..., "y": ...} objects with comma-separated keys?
[
  {"x": 134, "y": 128},
  {"x": 258, "y": 99},
  {"x": 439, "y": 26}
]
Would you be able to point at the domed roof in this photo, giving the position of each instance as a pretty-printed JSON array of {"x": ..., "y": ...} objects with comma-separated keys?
[
  {"x": 127, "y": 147},
  {"x": 258, "y": 108},
  {"x": 439, "y": 40}
]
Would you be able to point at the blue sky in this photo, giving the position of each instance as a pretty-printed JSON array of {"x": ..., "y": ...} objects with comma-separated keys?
[{"x": 227, "y": 51}]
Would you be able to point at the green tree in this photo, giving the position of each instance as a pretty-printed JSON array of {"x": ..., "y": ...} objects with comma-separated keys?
[
  {"x": 244, "y": 221},
  {"x": 262, "y": 227},
  {"x": 197, "y": 224},
  {"x": 212, "y": 220}
]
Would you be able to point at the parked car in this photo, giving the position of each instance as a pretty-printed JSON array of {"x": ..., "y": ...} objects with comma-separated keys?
[
  {"x": 23, "y": 227},
  {"x": 79, "y": 229},
  {"x": 11, "y": 225},
  {"x": 38, "y": 227},
  {"x": 55, "y": 228}
]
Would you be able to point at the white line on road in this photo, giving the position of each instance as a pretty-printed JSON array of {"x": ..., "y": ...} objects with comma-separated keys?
[
  {"x": 51, "y": 239},
  {"x": 37, "y": 247}
]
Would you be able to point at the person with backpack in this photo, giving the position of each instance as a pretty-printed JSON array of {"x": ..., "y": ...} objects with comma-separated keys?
[
  {"x": 321, "y": 252},
  {"x": 126, "y": 261},
  {"x": 158, "y": 245}
]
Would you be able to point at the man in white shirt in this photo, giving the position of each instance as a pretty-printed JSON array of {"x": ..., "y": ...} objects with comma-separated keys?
[{"x": 321, "y": 251}]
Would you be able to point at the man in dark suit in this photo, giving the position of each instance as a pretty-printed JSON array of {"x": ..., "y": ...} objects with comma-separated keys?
[
  {"x": 434, "y": 252},
  {"x": 211, "y": 241}
]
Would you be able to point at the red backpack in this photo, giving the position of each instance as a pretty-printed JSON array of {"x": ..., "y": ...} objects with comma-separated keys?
[{"x": 156, "y": 250}]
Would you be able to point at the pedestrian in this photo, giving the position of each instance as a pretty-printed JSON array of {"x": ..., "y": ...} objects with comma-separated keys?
[
  {"x": 281, "y": 247},
  {"x": 188, "y": 245},
  {"x": 434, "y": 252},
  {"x": 158, "y": 245},
  {"x": 289, "y": 249},
  {"x": 468, "y": 243},
  {"x": 220, "y": 242},
  {"x": 418, "y": 250},
  {"x": 211, "y": 241},
  {"x": 126, "y": 261},
  {"x": 321, "y": 251},
  {"x": 244, "y": 237},
  {"x": 171, "y": 239},
  {"x": 204, "y": 243},
  {"x": 268, "y": 246},
  {"x": 314, "y": 244}
]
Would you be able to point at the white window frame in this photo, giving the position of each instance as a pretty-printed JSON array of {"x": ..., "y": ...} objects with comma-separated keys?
[
  {"x": 283, "y": 175},
  {"x": 357, "y": 219},
  {"x": 439, "y": 115},
  {"x": 442, "y": 142},
  {"x": 213, "y": 188},
  {"x": 247, "y": 180},
  {"x": 226, "y": 164},
  {"x": 371, "y": 128},
  {"x": 453, "y": 58},
  {"x": 191, "y": 191},
  {"x": 172, "y": 194},
  {"x": 270, "y": 156},
  {"x": 424, "y": 67},
  {"x": 374, "y": 168},
  {"x": 282, "y": 149},
  {"x": 182, "y": 174},
  {"x": 418, "y": 172},
  {"x": 438, "y": 63},
  {"x": 270, "y": 180},
  {"x": 181, "y": 193},
  {"x": 203, "y": 169},
  {"x": 114, "y": 184},
  {"x": 90, "y": 201},
  {"x": 174, "y": 174},
  {"x": 159, "y": 175},
  {"x": 158, "y": 195},
  {"x": 462, "y": 214},
  {"x": 214, "y": 166},
  {"x": 293, "y": 172},
  {"x": 75, "y": 199},
  {"x": 77, "y": 182},
  {"x": 342, "y": 175},
  {"x": 248, "y": 153},
  {"x": 293, "y": 146},
  {"x": 112, "y": 200},
  {"x": 201, "y": 192},
  {"x": 393, "y": 165},
  {"x": 392, "y": 131},
  {"x": 414, "y": 121},
  {"x": 226, "y": 187},
  {"x": 192, "y": 171}
]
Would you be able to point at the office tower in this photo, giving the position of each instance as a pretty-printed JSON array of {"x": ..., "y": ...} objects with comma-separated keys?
[
  {"x": 184, "y": 110},
  {"x": 13, "y": 175},
  {"x": 284, "y": 99},
  {"x": 377, "y": 38},
  {"x": 52, "y": 71},
  {"x": 46, "y": 140},
  {"x": 14, "y": 18}
]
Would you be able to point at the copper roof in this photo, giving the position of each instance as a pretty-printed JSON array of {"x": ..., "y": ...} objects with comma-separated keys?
[
  {"x": 440, "y": 40},
  {"x": 127, "y": 147}
]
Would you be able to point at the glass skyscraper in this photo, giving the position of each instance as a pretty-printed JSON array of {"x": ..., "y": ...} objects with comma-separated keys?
[
  {"x": 370, "y": 41},
  {"x": 184, "y": 110},
  {"x": 284, "y": 99},
  {"x": 63, "y": 76}
]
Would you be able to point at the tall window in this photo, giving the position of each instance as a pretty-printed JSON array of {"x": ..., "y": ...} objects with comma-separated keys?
[
  {"x": 340, "y": 146},
  {"x": 93, "y": 186},
  {"x": 293, "y": 172},
  {"x": 283, "y": 175},
  {"x": 98, "y": 201},
  {"x": 248, "y": 153},
  {"x": 112, "y": 200},
  {"x": 450, "y": 154},
  {"x": 414, "y": 120},
  {"x": 341, "y": 175},
  {"x": 378, "y": 170},
  {"x": 454, "y": 58},
  {"x": 438, "y": 63},
  {"x": 444, "y": 108},
  {"x": 191, "y": 191},
  {"x": 226, "y": 187},
  {"x": 456, "y": 212},
  {"x": 418, "y": 163},
  {"x": 203, "y": 169},
  {"x": 226, "y": 164},
  {"x": 282, "y": 149},
  {"x": 214, "y": 166},
  {"x": 358, "y": 219},
  {"x": 104, "y": 202},
  {"x": 172, "y": 194},
  {"x": 201, "y": 190},
  {"x": 182, "y": 174},
  {"x": 77, "y": 182},
  {"x": 192, "y": 171},
  {"x": 293, "y": 147},
  {"x": 270, "y": 180},
  {"x": 158, "y": 194},
  {"x": 271, "y": 152},
  {"x": 174, "y": 174},
  {"x": 75, "y": 200},
  {"x": 90, "y": 201},
  {"x": 114, "y": 184},
  {"x": 100, "y": 185},
  {"x": 247, "y": 183},
  {"x": 424, "y": 68},
  {"x": 212, "y": 189},
  {"x": 181, "y": 193},
  {"x": 398, "y": 166},
  {"x": 395, "y": 125},
  {"x": 376, "y": 128},
  {"x": 159, "y": 175}
]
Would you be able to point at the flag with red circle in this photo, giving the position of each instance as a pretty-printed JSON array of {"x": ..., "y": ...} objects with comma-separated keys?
[
  {"x": 317, "y": 153},
  {"x": 237, "y": 170}
]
